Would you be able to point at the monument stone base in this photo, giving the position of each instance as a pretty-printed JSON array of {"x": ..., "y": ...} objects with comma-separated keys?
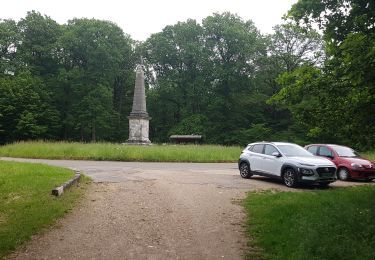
[{"x": 138, "y": 131}]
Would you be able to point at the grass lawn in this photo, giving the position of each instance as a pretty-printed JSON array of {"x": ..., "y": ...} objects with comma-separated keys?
[
  {"x": 26, "y": 203},
  {"x": 325, "y": 224},
  {"x": 119, "y": 152},
  {"x": 369, "y": 155}
]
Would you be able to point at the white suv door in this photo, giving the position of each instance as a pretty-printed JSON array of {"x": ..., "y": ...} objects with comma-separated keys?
[
  {"x": 256, "y": 157},
  {"x": 270, "y": 163}
]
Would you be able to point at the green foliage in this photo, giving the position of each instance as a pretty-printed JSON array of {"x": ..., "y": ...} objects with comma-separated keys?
[
  {"x": 94, "y": 109},
  {"x": 289, "y": 48},
  {"x": 335, "y": 103},
  {"x": 26, "y": 113},
  {"x": 196, "y": 124},
  {"x": 307, "y": 93},
  {"x": 213, "y": 78},
  {"x": 119, "y": 152},
  {"x": 26, "y": 203},
  {"x": 312, "y": 225},
  {"x": 9, "y": 34},
  {"x": 256, "y": 132},
  {"x": 293, "y": 46},
  {"x": 38, "y": 50},
  {"x": 178, "y": 59},
  {"x": 336, "y": 18},
  {"x": 235, "y": 47},
  {"x": 64, "y": 82},
  {"x": 95, "y": 53},
  {"x": 205, "y": 70}
]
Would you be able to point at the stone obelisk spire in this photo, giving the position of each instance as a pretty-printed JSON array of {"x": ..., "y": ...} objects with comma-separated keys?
[{"x": 139, "y": 119}]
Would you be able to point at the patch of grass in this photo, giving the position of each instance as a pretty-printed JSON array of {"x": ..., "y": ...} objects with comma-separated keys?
[
  {"x": 369, "y": 155},
  {"x": 329, "y": 224},
  {"x": 26, "y": 203},
  {"x": 119, "y": 152}
]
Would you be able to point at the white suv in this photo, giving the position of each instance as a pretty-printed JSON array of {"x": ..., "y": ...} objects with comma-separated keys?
[{"x": 286, "y": 161}]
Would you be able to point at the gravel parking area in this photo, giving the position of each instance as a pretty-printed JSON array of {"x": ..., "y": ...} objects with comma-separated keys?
[{"x": 153, "y": 211}]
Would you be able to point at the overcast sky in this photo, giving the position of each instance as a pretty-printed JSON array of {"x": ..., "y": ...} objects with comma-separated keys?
[{"x": 142, "y": 18}]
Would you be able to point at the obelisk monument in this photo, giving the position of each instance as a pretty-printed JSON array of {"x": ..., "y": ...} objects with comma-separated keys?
[{"x": 139, "y": 119}]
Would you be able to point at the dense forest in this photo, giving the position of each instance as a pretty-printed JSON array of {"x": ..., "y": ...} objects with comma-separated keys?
[{"x": 311, "y": 80}]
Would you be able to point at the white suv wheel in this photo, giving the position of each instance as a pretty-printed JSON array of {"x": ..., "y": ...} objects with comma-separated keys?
[
  {"x": 290, "y": 178},
  {"x": 245, "y": 170}
]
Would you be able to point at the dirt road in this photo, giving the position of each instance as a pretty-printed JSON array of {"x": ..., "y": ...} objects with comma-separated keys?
[{"x": 152, "y": 211}]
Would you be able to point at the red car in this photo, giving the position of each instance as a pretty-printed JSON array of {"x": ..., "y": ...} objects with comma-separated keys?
[{"x": 349, "y": 164}]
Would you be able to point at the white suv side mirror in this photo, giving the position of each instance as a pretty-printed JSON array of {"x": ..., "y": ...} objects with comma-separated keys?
[{"x": 276, "y": 154}]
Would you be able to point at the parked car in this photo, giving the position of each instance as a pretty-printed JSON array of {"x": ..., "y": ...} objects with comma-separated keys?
[
  {"x": 286, "y": 161},
  {"x": 350, "y": 165}
]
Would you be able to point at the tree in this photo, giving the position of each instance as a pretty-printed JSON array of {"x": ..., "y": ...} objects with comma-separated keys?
[
  {"x": 177, "y": 58},
  {"x": 347, "y": 80},
  {"x": 94, "y": 55},
  {"x": 349, "y": 32},
  {"x": 293, "y": 46},
  {"x": 336, "y": 18},
  {"x": 195, "y": 124},
  {"x": 94, "y": 110},
  {"x": 37, "y": 50},
  {"x": 289, "y": 48},
  {"x": 205, "y": 71},
  {"x": 9, "y": 42},
  {"x": 25, "y": 108},
  {"x": 84, "y": 67},
  {"x": 235, "y": 47}
]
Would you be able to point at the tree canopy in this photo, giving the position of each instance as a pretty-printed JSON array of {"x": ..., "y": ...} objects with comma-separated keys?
[
  {"x": 344, "y": 87},
  {"x": 220, "y": 78}
]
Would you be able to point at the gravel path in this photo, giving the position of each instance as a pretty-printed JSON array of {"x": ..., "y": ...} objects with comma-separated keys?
[{"x": 152, "y": 211}]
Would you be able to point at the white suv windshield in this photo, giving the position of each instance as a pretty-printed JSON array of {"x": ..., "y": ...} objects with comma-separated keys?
[{"x": 293, "y": 150}]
